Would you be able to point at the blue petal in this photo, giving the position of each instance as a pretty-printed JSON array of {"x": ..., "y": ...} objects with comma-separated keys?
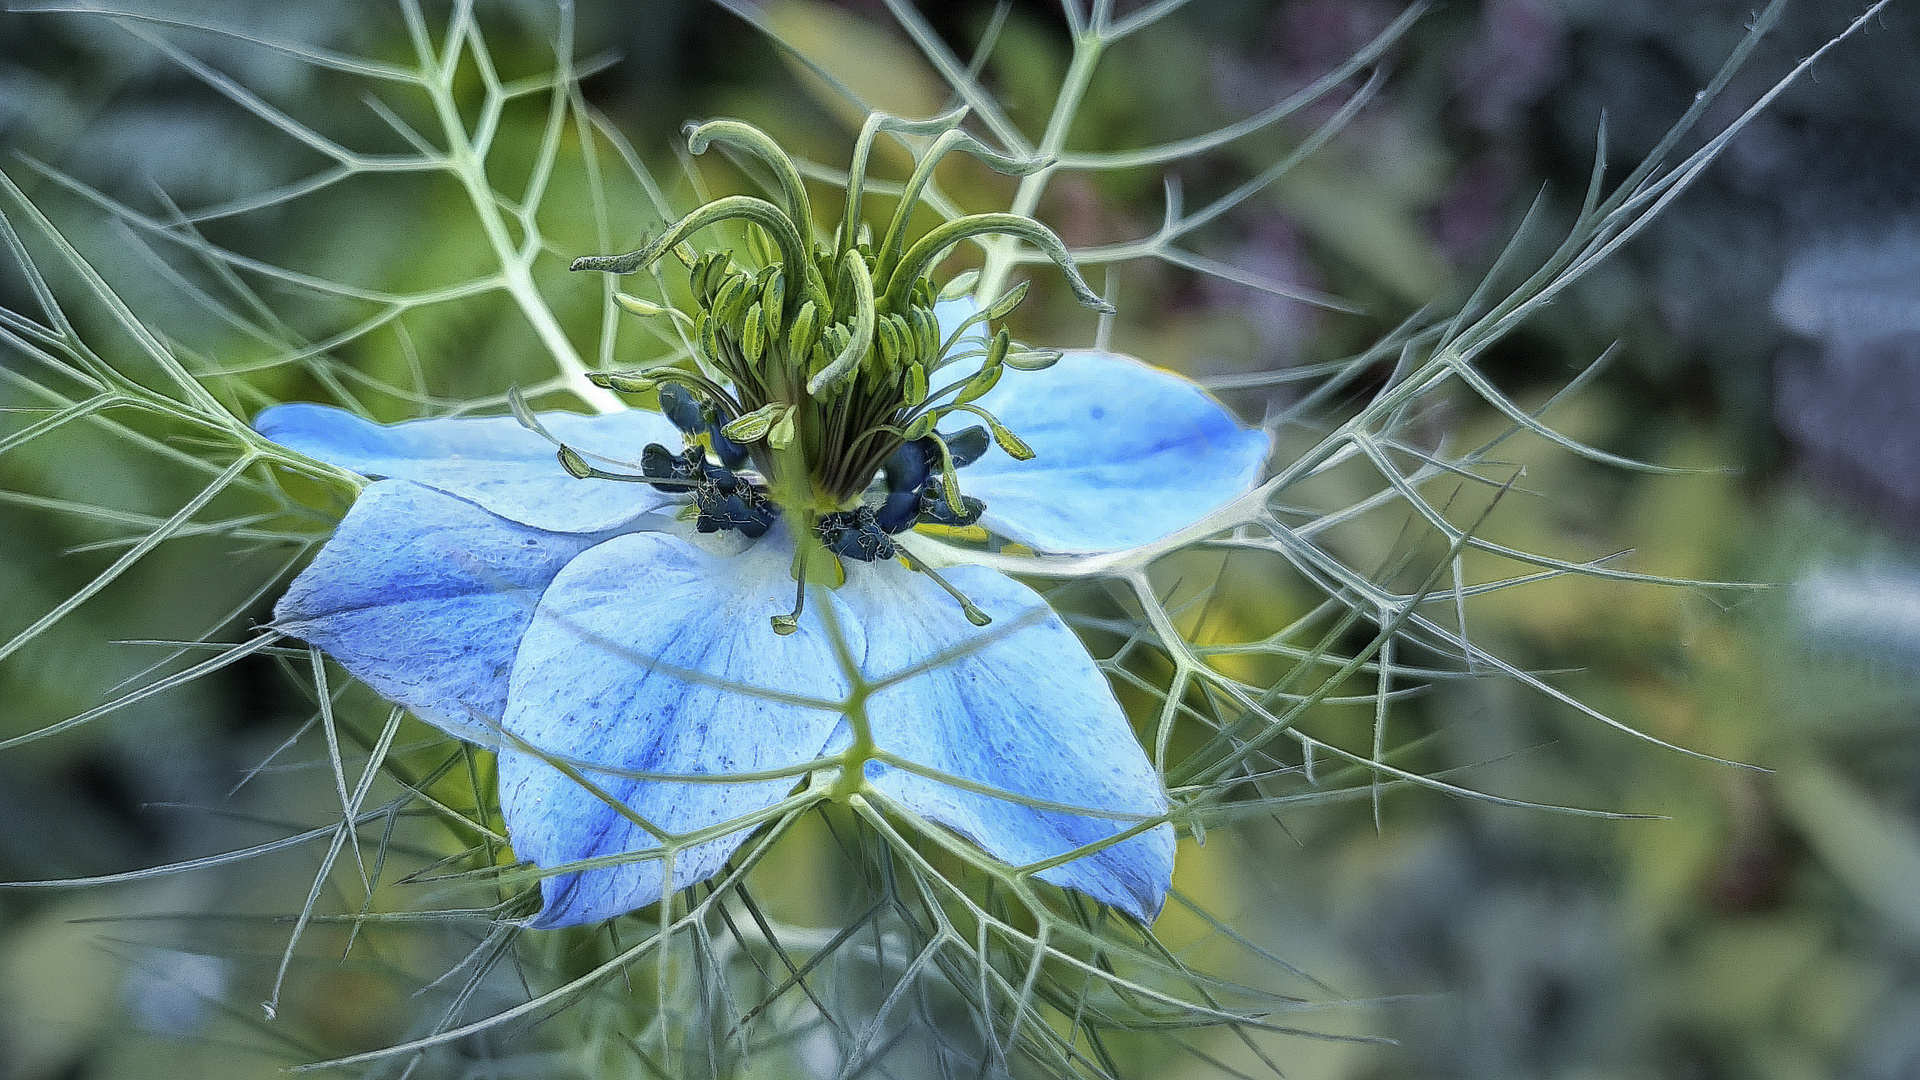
[
  {"x": 492, "y": 461},
  {"x": 1124, "y": 454},
  {"x": 1028, "y": 713},
  {"x": 601, "y": 678},
  {"x": 424, "y": 597}
]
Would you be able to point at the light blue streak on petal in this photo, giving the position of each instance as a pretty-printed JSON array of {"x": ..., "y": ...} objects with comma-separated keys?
[
  {"x": 424, "y": 597},
  {"x": 603, "y": 676},
  {"x": 1125, "y": 453},
  {"x": 492, "y": 460},
  {"x": 1028, "y": 713}
]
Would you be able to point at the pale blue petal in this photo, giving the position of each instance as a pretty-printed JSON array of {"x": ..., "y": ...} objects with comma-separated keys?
[
  {"x": 1028, "y": 713},
  {"x": 424, "y": 597},
  {"x": 1125, "y": 454},
  {"x": 601, "y": 678},
  {"x": 492, "y": 460}
]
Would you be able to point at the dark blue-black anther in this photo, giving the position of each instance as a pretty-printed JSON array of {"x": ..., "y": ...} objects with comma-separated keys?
[
  {"x": 726, "y": 502},
  {"x": 678, "y": 405},
  {"x": 730, "y": 453},
  {"x": 745, "y": 509},
  {"x": 916, "y": 495},
  {"x": 856, "y": 534},
  {"x": 934, "y": 510},
  {"x": 909, "y": 466},
  {"x": 966, "y": 446},
  {"x": 679, "y": 473},
  {"x": 696, "y": 417},
  {"x": 899, "y": 512},
  {"x": 906, "y": 472}
]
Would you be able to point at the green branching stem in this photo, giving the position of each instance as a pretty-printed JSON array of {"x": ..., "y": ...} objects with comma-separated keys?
[
  {"x": 516, "y": 262},
  {"x": 1003, "y": 253}
]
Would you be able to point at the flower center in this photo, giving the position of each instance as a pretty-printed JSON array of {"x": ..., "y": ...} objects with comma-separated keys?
[{"x": 821, "y": 370}]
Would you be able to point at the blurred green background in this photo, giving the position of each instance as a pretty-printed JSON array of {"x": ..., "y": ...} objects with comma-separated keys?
[{"x": 1766, "y": 924}]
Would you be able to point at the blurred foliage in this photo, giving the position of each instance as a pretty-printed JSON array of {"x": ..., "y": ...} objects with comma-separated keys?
[{"x": 1765, "y": 924}]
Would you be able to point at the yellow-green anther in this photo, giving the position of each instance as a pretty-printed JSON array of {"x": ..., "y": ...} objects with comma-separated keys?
[
  {"x": 1016, "y": 449},
  {"x": 836, "y": 339},
  {"x": 1033, "y": 359},
  {"x": 643, "y": 308},
  {"x": 760, "y": 246},
  {"x": 915, "y": 390},
  {"x": 575, "y": 465},
  {"x": 731, "y": 300},
  {"x": 1007, "y": 440},
  {"x": 853, "y": 269},
  {"x": 982, "y": 381},
  {"x": 916, "y": 319},
  {"x": 1004, "y": 306},
  {"x": 697, "y": 275},
  {"x": 949, "y": 478},
  {"x": 748, "y": 428},
  {"x": 903, "y": 333},
  {"x": 773, "y": 303},
  {"x": 887, "y": 340},
  {"x": 780, "y": 436},
  {"x": 753, "y": 335},
  {"x": 922, "y": 426},
  {"x": 709, "y": 338},
  {"x": 997, "y": 349},
  {"x": 711, "y": 274},
  {"x": 822, "y": 354},
  {"x": 622, "y": 383},
  {"x": 758, "y": 143},
  {"x": 804, "y": 332}
]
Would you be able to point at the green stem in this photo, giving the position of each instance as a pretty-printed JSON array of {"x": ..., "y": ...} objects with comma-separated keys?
[{"x": 1001, "y": 253}]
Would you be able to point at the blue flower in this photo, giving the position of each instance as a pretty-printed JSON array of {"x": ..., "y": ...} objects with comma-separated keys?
[{"x": 490, "y": 592}]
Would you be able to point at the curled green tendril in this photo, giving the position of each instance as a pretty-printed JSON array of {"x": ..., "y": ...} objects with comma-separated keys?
[
  {"x": 761, "y": 145},
  {"x": 928, "y": 249},
  {"x": 948, "y": 142},
  {"x": 863, "y": 149},
  {"x": 793, "y": 249}
]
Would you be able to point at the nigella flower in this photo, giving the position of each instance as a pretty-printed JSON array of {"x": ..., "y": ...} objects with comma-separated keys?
[{"x": 619, "y": 604}]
